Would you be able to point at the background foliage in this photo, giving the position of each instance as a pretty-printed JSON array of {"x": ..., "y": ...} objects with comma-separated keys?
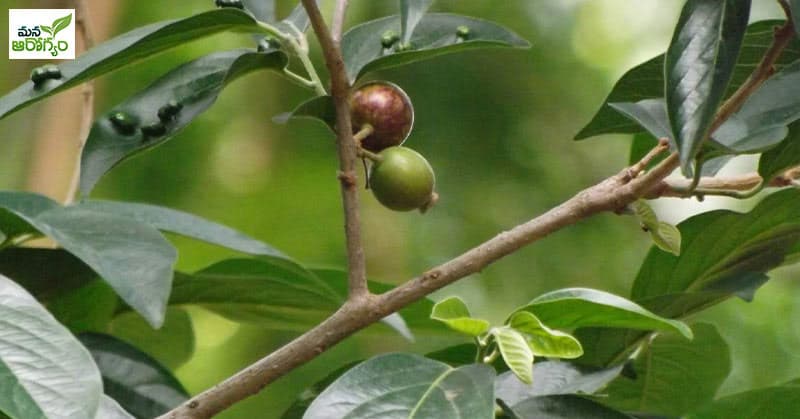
[{"x": 500, "y": 140}]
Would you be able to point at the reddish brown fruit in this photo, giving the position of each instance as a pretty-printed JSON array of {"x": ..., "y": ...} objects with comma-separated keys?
[{"x": 387, "y": 109}]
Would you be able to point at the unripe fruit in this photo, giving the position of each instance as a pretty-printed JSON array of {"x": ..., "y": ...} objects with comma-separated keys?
[
  {"x": 387, "y": 109},
  {"x": 402, "y": 179}
]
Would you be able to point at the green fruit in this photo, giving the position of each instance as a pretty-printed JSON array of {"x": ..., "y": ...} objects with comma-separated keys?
[
  {"x": 402, "y": 180},
  {"x": 387, "y": 109}
]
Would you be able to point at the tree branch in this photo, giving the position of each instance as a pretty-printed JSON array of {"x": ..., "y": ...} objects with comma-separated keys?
[
  {"x": 340, "y": 91},
  {"x": 611, "y": 195},
  {"x": 87, "y": 113}
]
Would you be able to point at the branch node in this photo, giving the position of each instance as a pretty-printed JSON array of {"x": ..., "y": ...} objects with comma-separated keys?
[{"x": 348, "y": 179}]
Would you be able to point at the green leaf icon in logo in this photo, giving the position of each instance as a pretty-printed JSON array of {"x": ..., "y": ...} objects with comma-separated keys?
[
  {"x": 47, "y": 29},
  {"x": 61, "y": 24}
]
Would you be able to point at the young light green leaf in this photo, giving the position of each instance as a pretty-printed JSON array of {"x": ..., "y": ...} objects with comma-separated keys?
[
  {"x": 320, "y": 107},
  {"x": 667, "y": 237},
  {"x": 647, "y": 217},
  {"x": 763, "y": 403},
  {"x": 411, "y": 12},
  {"x": 129, "y": 48},
  {"x": 660, "y": 387},
  {"x": 138, "y": 382},
  {"x": 646, "y": 81},
  {"x": 515, "y": 351},
  {"x": 542, "y": 340},
  {"x": 721, "y": 246},
  {"x": 135, "y": 125},
  {"x": 407, "y": 386},
  {"x": 436, "y": 34},
  {"x": 582, "y": 307},
  {"x": 47, "y": 29},
  {"x": 61, "y": 23},
  {"x": 454, "y": 313},
  {"x": 554, "y": 377},
  {"x": 166, "y": 219},
  {"x": 699, "y": 65},
  {"x": 132, "y": 257},
  {"x": 560, "y": 407},
  {"x": 783, "y": 157},
  {"x": 44, "y": 371}
]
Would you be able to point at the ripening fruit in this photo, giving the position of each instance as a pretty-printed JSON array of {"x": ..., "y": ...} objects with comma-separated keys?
[
  {"x": 386, "y": 108},
  {"x": 402, "y": 180}
]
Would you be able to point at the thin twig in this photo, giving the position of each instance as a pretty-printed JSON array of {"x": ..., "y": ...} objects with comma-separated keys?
[
  {"x": 612, "y": 194},
  {"x": 347, "y": 150},
  {"x": 338, "y": 20},
  {"x": 83, "y": 24}
]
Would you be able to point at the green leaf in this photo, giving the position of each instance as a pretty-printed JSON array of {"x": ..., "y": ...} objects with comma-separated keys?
[
  {"x": 185, "y": 224},
  {"x": 650, "y": 114},
  {"x": 138, "y": 382},
  {"x": 319, "y": 107},
  {"x": 783, "y": 157},
  {"x": 132, "y": 257},
  {"x": 44, "y": 371},
  {"x": 405, "y": 386},
  {"x": 515, "y": 351},
  {"x": 110, "y": 409},
  {"x": 47, "y": 29},
  {"x": 87, "y": 308},
  {"x": 667, "y": 237},
  {"x": 673, "y": 376},
  {"x": 411, "y": 12},
  {"x": 194, "y": 86},
  {"x": 542, "y": 340},
  {"x": 560, "y": 407},
  {"x": 263, "y": 10},
  {"x": 582, "y": 307},
  {"x": 435, "y": 35},
  {"x": 795, "y": 4},
  {"x": 699, "y": 65},
  {"x": 128, "y": 48},
  {"x": 172, "y": 345},
  {"x": 765, "y": 403},
  {"x": 641, "y": 145},
  {"x": 553, "y": 378},
  {"x": 646, "y": 81},
  {"x": 454, "y": 313},
  {"x": 304, "y": 399},
  {"x": 45, "y": 273},
  {"x": 61, "y": 23},
  {"x": 721, "y": 245}
]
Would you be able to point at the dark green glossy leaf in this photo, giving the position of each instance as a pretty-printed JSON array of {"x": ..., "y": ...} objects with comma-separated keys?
[
  {"x": 44, "y": 371},
  {"x": 110, "y": 409},
  {"x": 138, "y": 382},
  {"x": 673, "y": 376},
  {"x": 411, "y": 12},
  {"x": 320, "y": 107},
  {"x": 398, "y": 386},
  {"x": 515, "y": 351},
  {"x": 172, "y": 345},
  {"x": 194, "y": 86},
  {"x": 129, "y": 48},
  {"x": 304, "y": 400},
  {"x": 783, "y": 157},
  {"x": 765, "y": 403},
  {"x": 45, "y": 273},
  {"x": 650, "y": 114},
  {"x": 572, "y": 308},
  {"x": 454, "y": 313},
  {"x": 698, "y": 67},
  {"x": 721, "y": 245},
  {"x": 560, "y": 407},
  {"x": 132, "y": 257},
  {"x": 646, "y": 81},
  {"x": 166, "y": 219},
  {"x": 551, "y": 378},
  {"x": 641, "y": 145},
  {"x": 436, "y": 34},
  {"x": 796, "y": 15},
  {"x": 90, "y": 307}
]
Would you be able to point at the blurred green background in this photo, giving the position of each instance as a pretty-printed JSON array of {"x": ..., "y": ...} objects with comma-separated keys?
[{"x": 495, "y": 125}]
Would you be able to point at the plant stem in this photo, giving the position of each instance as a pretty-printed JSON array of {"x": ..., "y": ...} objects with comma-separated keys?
[
  {"x": 309, "y": 67},
  {"x": 87, "y": 114},
  {"x": 338, "y": 20}
]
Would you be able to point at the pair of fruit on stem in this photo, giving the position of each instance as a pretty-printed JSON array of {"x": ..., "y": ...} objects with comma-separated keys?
[{"x": 382, "y": 117}]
